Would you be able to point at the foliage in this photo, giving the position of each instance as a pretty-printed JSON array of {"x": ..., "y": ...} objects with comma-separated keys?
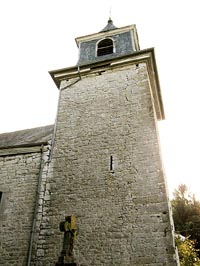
[
  {"x": 187, "y": 253},
  {"x": 186, "y": 215}
]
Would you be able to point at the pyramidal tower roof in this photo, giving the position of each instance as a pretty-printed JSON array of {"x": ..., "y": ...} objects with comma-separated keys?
[{"x": 109, "y": 26}]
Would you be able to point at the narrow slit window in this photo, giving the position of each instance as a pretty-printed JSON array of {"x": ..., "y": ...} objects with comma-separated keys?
[
  {"x": 105, "y": 47},
  {"x": 111, "y": 163},
  {"x": 1, "y": 194}
]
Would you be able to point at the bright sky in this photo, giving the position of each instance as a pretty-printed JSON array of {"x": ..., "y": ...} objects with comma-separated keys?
[{"x": 38, "y": 36}]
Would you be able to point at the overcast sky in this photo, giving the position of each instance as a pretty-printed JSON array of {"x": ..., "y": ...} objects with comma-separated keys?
[{"x": 38, "y": 36}]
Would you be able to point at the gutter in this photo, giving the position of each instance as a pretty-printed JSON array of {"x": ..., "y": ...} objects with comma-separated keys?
[{"x": 16, "y": 150}]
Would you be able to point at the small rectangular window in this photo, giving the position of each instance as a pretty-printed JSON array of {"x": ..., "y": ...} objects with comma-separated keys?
[
  {"x": 111, "y": 163},
  {"x": 1, "y": 194}
]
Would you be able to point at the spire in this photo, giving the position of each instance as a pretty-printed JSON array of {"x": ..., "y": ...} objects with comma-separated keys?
[{"x": 109, "y": 26}]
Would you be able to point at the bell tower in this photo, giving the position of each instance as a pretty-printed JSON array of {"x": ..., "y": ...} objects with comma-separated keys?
[
  {"x": 106, "y": 168},
  {"x": 108, "y": 43}
]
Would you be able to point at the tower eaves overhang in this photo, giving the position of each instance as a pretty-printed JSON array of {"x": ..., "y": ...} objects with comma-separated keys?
[{"x": 146, "y": 56}]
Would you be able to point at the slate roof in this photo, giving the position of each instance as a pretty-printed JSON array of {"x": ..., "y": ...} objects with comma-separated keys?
[
  {"x": 109, "y": 26},
  {"x": 27, "y": 137}
]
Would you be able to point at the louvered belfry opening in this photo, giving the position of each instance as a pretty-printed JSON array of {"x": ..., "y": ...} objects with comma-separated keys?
[{"x": 105, "y": 47}]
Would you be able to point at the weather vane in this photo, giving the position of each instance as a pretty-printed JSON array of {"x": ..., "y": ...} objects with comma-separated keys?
[
  {"x": 110, "y": 9},
  {"x": 110, "y": 12}
]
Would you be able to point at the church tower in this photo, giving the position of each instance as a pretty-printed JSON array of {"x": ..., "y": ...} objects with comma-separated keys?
[{"x": 105, "y": 167}]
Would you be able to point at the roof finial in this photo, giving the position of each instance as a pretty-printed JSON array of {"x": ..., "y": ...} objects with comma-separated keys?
[{"x": 109, "y": 26}]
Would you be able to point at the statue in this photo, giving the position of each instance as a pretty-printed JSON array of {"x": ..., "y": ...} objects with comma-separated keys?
[{"x": 69, "y": 228}]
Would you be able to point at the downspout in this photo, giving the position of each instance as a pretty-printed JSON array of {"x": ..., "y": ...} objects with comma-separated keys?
[{"x": 36, "y": 207}]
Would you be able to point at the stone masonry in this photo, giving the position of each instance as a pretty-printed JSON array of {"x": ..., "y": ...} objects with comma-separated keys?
[
  {"x": 106, "y": 170},
  {"x": 19, "y": 182},
  {"x": 19, "y": 177}
]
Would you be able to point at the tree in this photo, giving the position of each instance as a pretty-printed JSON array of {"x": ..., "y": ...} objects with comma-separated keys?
[
  {"x": 180, "y": 209},
  {"x": 186, "y": 215}
]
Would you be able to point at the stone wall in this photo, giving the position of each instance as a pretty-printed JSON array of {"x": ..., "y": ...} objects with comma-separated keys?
[
  {"x": 19, "y": 178},
  {"x": 106, "y": 170},
  {"x": 18, "y": 181}
]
